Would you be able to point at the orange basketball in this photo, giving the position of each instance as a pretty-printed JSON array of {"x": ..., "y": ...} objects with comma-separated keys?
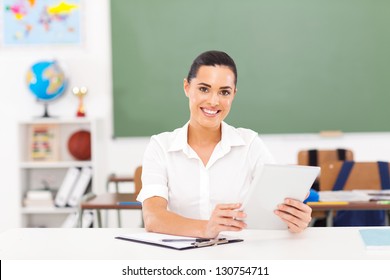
[{"x": 79, "y": 145}]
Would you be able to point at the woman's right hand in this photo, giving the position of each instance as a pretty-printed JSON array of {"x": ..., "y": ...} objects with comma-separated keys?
[{"x": 225, "y": 217}]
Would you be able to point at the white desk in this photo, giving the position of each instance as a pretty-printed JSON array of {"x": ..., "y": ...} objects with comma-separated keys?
[{"x": 98, "y": 244}]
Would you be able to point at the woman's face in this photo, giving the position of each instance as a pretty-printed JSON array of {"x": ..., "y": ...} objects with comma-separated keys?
[{"x": 210, "y": 95}]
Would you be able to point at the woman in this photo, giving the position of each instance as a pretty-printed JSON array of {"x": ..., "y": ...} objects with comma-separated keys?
[{"x": 194, "y": 177}]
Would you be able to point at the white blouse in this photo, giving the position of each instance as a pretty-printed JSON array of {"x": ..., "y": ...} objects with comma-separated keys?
[{"x": 171, "y": 169}]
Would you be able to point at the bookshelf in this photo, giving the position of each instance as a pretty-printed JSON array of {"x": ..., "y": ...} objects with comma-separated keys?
[{"x": 44, "y": 161}]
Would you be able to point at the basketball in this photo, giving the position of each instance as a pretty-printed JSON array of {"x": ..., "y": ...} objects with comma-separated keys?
[{"x": 79, "y": 145}]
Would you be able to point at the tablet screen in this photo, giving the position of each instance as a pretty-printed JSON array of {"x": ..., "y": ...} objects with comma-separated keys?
[{"x": 271, "y": 185}]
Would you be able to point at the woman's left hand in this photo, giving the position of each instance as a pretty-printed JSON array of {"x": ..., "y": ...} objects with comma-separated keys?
[{"x": 295, "y": 214}]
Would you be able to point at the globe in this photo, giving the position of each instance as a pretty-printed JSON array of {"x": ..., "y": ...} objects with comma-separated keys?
[{"x": 46, "y": 81}]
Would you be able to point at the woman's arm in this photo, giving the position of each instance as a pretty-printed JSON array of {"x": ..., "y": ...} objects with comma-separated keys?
[{"x": 158, "y": 219}]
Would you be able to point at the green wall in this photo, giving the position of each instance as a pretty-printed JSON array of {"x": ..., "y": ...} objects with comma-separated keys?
[{"x": 303, "y": 65}]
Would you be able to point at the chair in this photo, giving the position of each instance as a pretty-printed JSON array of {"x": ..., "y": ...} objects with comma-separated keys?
[
  {"x": 315, "y": 157},
  {"x": 111, "y": 200},
  {"x": 117, "y": 180},
  {"x": 349, "y": 175}
]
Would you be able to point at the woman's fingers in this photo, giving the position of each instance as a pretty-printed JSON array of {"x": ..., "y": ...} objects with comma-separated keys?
[
  {"x": 295, "y": 214},
  {"x": 226, "y": 217}
]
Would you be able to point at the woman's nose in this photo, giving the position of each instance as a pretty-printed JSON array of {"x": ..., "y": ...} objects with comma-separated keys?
[{"x": 214, "y": 99}]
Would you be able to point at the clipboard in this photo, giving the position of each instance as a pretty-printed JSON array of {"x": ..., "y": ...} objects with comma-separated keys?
[{"x": 174, "y": 241}]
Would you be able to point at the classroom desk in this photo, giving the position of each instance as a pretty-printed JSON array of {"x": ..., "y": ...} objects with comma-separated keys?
[
  {"x": 330, "y": 207},
  {"x": 99, "y": 243},
  {"x": 107, "y": 201}
]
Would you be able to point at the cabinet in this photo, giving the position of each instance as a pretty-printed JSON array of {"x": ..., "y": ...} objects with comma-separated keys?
[{"x": 44, "y": 162}]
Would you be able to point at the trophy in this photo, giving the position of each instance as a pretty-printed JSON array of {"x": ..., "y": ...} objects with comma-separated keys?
[{"x": 80, "y": 93}]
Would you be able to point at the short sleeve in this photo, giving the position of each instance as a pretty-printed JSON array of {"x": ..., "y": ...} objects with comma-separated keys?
[
  {"x": 259, "y": 154},
  {"x": 154, "y": 172}
]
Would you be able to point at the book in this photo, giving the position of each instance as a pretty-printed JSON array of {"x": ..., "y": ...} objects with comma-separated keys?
[
  {"x": 66, "y": 187},
  {"x": 39, "y": 194},
  {"x": 176, "y": 242},
  {"x": 376, "y": 239},
  {"x": 43, "y": 145},
  {"x": 80, "y": 187},
  {"x": 27, "y": 202}
]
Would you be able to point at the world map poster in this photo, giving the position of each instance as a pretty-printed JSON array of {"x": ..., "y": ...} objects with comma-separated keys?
[{"x": 41, "y": 22}]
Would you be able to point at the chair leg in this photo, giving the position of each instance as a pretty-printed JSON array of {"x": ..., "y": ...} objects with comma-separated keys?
[
  {"x": 99, "y": 218},
  {"x": 80, "y": 221},
  {"x": 329, "y": 218},
  {"x": 119, "y": 218}
]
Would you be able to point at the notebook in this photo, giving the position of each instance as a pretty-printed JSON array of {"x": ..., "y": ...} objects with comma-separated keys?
[
  {"x": 376, "y": 239},
  {"x": 271, "y": 185}
]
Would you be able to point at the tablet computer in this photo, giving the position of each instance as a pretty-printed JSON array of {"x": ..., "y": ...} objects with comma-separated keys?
[{"x": 271, "y": 185}]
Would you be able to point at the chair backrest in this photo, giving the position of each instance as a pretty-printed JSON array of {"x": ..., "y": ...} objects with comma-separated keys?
[
  {"x": 137, "y": 179},
  {"x": 317, "y": 157},
  {"x": 363, "y": 175},
  {"x": 349, "y": 175}
]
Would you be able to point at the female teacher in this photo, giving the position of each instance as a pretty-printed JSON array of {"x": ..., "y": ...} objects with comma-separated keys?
[{"x": 194, "y": 177}]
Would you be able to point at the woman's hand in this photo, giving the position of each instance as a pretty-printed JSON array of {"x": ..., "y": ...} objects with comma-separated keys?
[
  {"x": 225, "y": 218},
  {"x": 295, "y": 214}
]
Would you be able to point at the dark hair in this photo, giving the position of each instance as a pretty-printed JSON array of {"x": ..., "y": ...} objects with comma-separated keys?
[{"x": 212, "y": 58}]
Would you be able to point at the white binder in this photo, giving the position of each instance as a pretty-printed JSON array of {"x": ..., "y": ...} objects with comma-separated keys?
[
  {"x": 80, "y": 186},
  {"x": 66, "y": 187}
]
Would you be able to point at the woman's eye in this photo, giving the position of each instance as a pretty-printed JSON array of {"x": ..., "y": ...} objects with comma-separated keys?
[
  {"x": 203, "y": 89},
  {"x": 225, "y": 92}
]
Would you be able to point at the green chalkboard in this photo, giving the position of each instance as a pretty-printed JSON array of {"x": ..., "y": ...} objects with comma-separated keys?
[{"x": 303, "y": 65}]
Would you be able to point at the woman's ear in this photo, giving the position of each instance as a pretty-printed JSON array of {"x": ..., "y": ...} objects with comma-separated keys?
[{"x": 186, "y": 86}]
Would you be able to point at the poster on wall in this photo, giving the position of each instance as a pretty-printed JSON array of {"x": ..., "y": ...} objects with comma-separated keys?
[{"x": 40, "y": 22}]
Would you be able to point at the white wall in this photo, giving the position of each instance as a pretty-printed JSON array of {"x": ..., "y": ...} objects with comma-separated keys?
[{"x": 90, "y": 65}]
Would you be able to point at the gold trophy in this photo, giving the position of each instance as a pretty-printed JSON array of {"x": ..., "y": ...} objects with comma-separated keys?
[{"x": 80, "y": 93}]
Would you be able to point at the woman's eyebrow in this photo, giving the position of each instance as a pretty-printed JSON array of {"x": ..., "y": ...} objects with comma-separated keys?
[
  {"x": 226, "y": 87},
  {"x": 204, "y": 84}
]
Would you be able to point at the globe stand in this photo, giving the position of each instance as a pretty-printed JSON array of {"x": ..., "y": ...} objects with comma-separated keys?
[{"x": 45, "y": 111}]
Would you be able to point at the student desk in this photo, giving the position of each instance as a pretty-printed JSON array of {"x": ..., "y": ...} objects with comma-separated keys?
[
  {"x": 330, "y": 207},
  {"x": 107, "y": 201},
  {"x": 99, "y": 244}
]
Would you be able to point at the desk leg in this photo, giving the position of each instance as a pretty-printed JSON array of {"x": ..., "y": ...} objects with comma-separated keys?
[{"x": 329, "y": 218}]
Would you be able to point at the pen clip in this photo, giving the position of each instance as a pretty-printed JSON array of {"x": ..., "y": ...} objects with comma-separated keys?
[{"x": 211, "y": 242}]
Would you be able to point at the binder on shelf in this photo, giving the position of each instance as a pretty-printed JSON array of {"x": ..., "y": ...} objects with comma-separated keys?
[
  {"x": 67, "y": 186},
  {"x": 81, "y": 186}
]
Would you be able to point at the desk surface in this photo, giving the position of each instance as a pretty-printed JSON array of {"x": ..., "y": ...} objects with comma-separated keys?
[
  {"x": 110, "y": 201},
  {"x": 94, "y": 244},
  {"x": 355, "y": 205}
]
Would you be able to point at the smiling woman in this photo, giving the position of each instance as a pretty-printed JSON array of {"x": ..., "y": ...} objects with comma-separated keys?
[{"x": 195, "y": 177}]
